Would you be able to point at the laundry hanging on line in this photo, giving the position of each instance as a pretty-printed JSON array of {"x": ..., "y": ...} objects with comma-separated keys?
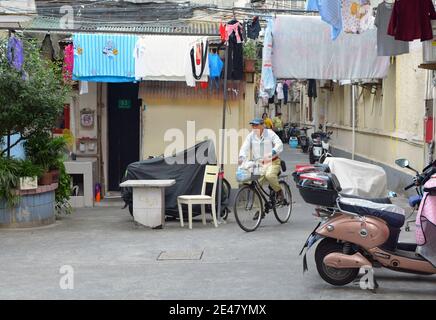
[
  {"x": 235, "y": 59},
  {"x": 104, "y": 57},
  {"x": 268, "y": 80},
  {"x": 411, "y": 20},
  {"x": 386, "y": 44},
  {"x": 315, "y": 56},
  {"x": 15, "y": 53}
]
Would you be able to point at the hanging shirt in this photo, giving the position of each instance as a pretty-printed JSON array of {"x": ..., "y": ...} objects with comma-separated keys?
[
  {"x": 411, "y": 19},
  {"x": 215, "y": 65},
  {"x": 104, "y": 57},
  {"x": 279, "y": 91},
  {"x": 330, "y": 12},
  {"x": 357, "y": 16},
  {"x": 15, "y": 53},
  {"x": 387, "y": 45},
  {"x": 139, "y": 54},
  {"x": 253, "y": 28}
]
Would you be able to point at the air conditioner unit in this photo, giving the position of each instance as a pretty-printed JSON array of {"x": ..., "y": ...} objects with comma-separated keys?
[{"x": 429, "y": 47}]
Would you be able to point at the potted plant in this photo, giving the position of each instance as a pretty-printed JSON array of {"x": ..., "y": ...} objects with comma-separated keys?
[
  {"x": 57, "y": 147},
  {"x": 250, "y": 56},
  {"x": 37, "y": 151},
  {"x": 29, "y": 173}
]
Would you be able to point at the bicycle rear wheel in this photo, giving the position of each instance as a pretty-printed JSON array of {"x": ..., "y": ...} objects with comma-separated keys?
[
  {"x": 248, "y": 208},
  {"x": 283, "y": 210}
]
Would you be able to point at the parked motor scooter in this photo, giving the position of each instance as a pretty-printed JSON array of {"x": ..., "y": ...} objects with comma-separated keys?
[
  {"x": 303, "y": 139},
  {"x": 285, "y": 134},
  {"x": 319, "y": 148},
  {"x": 363, "y": 233}
]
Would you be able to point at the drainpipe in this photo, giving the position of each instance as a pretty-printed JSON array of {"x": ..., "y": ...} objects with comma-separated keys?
[
  {"x": 353, "y": 107},
  {"x": 221, "y": 170}
]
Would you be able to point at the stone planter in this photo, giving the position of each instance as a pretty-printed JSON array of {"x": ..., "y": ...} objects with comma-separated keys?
[{"x": 36, "y": 208}]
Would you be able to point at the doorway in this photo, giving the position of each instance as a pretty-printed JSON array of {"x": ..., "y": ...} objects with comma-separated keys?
[{"x": 123, "y": 130}]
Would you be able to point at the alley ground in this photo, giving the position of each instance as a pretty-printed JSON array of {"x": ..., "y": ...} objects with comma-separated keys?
[{"x": 114, "y": 259}]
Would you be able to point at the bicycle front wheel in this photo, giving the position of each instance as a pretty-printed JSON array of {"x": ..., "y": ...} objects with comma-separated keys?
[
  {"x": 283, "y": 210},
  {"x": 248, "y": 208}
]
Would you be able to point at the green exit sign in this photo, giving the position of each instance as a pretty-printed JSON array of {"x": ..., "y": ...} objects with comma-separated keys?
[{"x": 124, "y": 104}]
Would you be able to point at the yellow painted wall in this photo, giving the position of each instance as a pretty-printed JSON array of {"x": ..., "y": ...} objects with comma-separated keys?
[{"x": 161, "y": 115}]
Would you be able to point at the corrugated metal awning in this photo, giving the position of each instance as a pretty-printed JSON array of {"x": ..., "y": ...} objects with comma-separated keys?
[{"x": 53, "y": 25}]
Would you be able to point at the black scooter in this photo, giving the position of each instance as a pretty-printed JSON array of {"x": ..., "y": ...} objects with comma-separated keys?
[{"x": 303, "y": 139}]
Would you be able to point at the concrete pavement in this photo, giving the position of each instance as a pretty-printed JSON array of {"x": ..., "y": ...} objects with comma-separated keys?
[{"x": 114, "y": 259}]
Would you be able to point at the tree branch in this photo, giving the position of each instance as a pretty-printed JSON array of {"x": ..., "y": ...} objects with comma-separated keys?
[{"x": 11, "y": 146}]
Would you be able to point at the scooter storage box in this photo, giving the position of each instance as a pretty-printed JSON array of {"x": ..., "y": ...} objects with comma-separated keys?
[{"x": 319, "y": 188}]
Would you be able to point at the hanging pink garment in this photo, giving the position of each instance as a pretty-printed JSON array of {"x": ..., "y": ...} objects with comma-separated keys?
[{"x": 68, "y": 62}]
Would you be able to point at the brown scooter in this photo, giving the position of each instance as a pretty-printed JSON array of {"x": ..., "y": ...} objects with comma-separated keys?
[{"x": 358, "y": 232}]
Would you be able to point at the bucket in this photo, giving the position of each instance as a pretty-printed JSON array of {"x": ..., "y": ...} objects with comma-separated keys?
[{"x": 293, "y": 142}]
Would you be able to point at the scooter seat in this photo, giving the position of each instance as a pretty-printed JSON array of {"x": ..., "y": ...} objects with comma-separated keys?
[
  {"x": 376, "y": 200},
  {"x": 393, "y": 215}
]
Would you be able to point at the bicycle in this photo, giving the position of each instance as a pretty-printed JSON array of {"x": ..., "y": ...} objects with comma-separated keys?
[{"x": 253, "y": 203}]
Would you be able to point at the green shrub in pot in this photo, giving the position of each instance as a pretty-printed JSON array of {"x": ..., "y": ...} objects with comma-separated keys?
[
  {"x": 9, "y": 181},
  {"x": 250, "y": 55},
  {"x": 29, "y": 174}
]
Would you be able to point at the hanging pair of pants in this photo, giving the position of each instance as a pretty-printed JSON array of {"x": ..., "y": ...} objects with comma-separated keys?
[
  {"x": 235, "y": 65},
  {"x": 272, "y": 175}
]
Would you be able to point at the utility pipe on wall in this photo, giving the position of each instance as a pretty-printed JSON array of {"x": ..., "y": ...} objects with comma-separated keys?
[{"x": 353, "y": 120}]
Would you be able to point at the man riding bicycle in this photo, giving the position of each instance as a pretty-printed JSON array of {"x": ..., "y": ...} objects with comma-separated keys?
[{"x": 265, "y": 146}]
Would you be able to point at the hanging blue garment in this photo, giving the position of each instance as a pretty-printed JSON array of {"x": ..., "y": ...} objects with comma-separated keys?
[
  {"x": 268, "y": 80},
  {"x": 15, "y": 53},
  {"x": 331, "y": 12},
  {"x": 215, "y": 65},
  {"x": 104, "y": 57},
  {"x": 312, "y": 5}
]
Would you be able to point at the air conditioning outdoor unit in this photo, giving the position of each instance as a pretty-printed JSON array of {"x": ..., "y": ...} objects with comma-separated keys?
[{"x": 429, "y": 47}]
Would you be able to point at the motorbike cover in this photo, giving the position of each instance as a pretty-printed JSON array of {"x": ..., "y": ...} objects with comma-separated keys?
[
  {"x": 426, "y": 225},
  {"x": 359, "y": 178}
]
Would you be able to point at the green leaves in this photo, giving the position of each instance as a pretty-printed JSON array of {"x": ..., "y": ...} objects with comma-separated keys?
[
  {"x": 32, "y": 104},
  {"x": 9, "y": 180}
]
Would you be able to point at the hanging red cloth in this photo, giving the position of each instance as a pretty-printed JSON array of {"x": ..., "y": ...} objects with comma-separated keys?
[
  {"x": 68, "y": 62},
  {"x": 223, "y": 33},
  {"x": 411, "y": 19},
  {"x": 198, "y": 54}
]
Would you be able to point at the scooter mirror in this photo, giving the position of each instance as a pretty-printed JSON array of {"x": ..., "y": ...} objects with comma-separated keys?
[{"x": 403, "y": 163}]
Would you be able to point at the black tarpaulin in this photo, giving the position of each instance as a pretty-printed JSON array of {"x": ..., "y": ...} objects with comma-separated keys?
[{"x": 186, "y": 167}]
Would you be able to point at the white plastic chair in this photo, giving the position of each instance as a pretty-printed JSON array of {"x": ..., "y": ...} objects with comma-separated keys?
[{"x": 210, "y": 176}]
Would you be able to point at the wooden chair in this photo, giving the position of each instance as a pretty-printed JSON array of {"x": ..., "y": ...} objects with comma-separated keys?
[{"x": 210, "y": 176}]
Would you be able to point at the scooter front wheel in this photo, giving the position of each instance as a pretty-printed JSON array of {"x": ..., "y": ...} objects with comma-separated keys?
[{"x": 334, "y": 276}]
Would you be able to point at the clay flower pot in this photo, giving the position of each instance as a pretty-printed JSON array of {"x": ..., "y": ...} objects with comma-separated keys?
[
  {"x": 249, "y": 65},
  {"x": 55, "y": 175},
  {"x": 46, "y": 179}
]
